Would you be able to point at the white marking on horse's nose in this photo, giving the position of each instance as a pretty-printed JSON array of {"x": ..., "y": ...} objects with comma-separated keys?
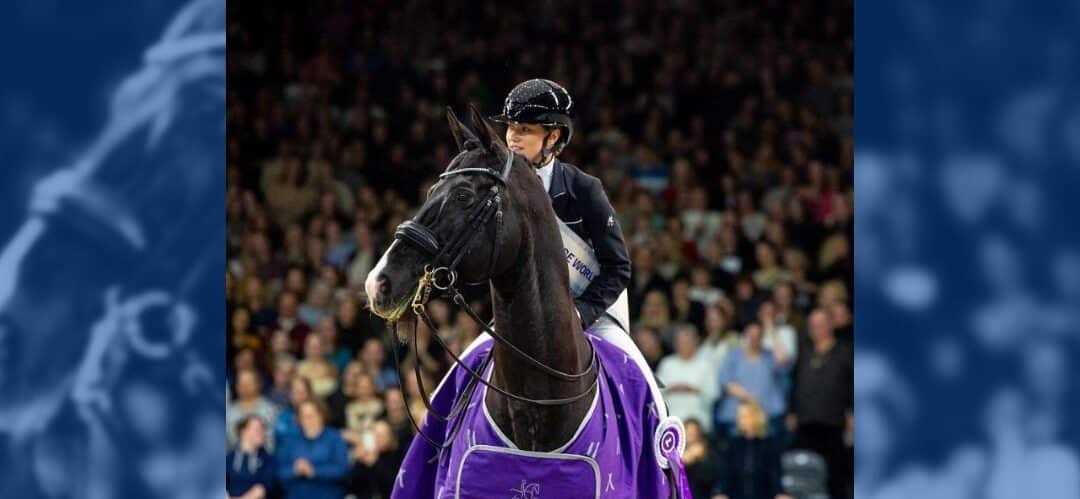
[
  {"x": 371, "y": 284},
  {"x": 370, "y": 287}
]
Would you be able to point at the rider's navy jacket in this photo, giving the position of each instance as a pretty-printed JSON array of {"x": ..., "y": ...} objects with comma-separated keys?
[{"x": 580, "y": 202}]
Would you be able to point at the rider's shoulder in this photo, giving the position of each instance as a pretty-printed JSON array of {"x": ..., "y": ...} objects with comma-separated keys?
[{"x": 581, "y": 182}]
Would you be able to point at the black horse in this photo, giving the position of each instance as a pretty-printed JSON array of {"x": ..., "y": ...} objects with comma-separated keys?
[
  {"x": 521, "y": 254},
  {"x": 562, "y": 412}
]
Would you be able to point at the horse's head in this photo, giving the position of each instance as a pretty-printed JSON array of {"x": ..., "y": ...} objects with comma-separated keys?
[{"x": 467, "y": 230}]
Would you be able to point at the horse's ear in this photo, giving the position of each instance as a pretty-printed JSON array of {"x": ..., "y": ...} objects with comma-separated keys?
[
  {"x": 489, "y": 137},
  {"x": 460, "y": 133}
]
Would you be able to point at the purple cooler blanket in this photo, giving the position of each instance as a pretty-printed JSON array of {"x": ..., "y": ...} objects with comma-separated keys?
[{"x": 623, "y": 449}]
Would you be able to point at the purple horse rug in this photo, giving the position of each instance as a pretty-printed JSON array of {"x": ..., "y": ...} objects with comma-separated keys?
[{"x": 626, "y": 447}]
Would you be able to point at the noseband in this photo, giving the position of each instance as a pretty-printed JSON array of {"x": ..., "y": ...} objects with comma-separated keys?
[{"x": 443, "y": 278}]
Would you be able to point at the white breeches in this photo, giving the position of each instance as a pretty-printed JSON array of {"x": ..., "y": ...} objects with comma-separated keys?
[{"x": 611, "y": 332}]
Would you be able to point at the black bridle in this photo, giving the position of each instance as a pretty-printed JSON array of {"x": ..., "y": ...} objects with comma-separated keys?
[
  {"x": 443, "y": 277},
  {"x": 423, "y": 238}
]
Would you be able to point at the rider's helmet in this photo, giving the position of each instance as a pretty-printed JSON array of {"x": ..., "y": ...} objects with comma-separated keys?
[{"x": 541, "y": 102}]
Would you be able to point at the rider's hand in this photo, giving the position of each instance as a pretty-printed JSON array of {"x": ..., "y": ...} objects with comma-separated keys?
[{"x": 586, "y": 314}]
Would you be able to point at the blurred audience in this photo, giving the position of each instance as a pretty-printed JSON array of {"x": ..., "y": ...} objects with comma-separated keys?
[
  {"x": 288, "y": 424},
  {"x": 648, "y": 341},
  {"x": 686, "y": 374},
  {"x": 822, "y": 402},
  {"x": 751, "y": 373},
  {"x": 776, "y": 334},
  {"x": 281, "y": 389},
  {"x": 373, "y": 362},
  {"x": 313, "y": 463},
  {"x": 316, "y": 369},
  {"x": 250, "y": 466},
  {"x": 364, "y": 406},
  {"x": 750, "y": 468},
  {"x": 376, "y": 462},
  {"x": 700, "y": 459},
  {"x": 249, "y": 401}
]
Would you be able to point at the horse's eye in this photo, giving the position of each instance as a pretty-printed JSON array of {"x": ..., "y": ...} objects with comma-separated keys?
[{"x": 462, "y": 197}]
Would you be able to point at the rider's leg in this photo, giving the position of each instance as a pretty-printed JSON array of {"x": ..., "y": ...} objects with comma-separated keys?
[{"x": 611, "y": 332}]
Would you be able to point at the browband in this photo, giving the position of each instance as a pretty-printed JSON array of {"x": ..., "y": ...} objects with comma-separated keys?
[{"x": 501, "y": 177}]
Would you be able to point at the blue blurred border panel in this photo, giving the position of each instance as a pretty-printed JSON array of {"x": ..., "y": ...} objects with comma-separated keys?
[
  {"x": 967, "y": 249},
  {"x": 112, "y": 249}
]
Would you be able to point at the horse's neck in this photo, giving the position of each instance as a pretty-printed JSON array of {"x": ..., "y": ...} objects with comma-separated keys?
[{"x": 534, "y": 310}]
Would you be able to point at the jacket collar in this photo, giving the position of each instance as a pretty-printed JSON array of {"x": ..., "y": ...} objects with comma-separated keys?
[{"x": 558, "y": 180}]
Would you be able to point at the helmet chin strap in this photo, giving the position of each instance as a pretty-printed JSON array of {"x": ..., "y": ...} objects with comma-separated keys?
[{"x": 544, "y": 152}]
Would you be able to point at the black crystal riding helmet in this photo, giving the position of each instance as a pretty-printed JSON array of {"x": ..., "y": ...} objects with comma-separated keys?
[{"x": 541, "y": 102}]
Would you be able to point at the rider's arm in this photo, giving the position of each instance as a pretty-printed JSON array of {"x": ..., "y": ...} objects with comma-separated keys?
[{"x": 602, "y": 226}]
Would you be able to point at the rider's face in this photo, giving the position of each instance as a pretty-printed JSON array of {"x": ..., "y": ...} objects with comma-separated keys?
[{"x": 526, "y": 139}]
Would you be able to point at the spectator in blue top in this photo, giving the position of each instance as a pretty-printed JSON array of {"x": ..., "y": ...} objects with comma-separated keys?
[
  {"x": 250, "y": 472},
  {"x": 337, "y": 353},
  {"x": 753, "y": 373},
  {"x": 373, "y": 358},
  {"x": 287, "y": 424},
  {"x": 314, "y": 463}
]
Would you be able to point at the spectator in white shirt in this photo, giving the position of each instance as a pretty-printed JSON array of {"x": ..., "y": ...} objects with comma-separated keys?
[
  {"x": 249, "y": 401},
  {"x": 688, "y": 378},
  {"x": 718, "y": 337},
  {"x": 701, "y": 287},
  {"x": 775, "y": 331}
]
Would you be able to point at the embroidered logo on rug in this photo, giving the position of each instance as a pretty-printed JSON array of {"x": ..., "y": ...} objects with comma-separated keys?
[{"x": 527, "y": 491}]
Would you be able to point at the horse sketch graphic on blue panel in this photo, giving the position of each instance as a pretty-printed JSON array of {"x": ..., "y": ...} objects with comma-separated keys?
[{"x": 110, "y": 285}]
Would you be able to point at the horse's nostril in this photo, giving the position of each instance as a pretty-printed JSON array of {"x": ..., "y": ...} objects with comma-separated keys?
[{"x": 383, "y": 284}]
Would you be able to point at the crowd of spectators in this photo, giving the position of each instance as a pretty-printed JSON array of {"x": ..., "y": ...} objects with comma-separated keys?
[{"x": 722, "y": 132}]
